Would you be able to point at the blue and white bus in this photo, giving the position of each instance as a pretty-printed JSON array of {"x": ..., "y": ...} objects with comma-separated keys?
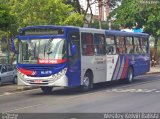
[{"x": 50, "y": 56}]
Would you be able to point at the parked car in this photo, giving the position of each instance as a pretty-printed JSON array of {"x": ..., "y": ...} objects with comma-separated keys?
[{"x": 8, "y": 73}]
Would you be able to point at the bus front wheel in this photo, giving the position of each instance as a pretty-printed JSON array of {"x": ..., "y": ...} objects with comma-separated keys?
[
  {"x": 46, "y": 89},
  {"x": 87, "y": 82}
]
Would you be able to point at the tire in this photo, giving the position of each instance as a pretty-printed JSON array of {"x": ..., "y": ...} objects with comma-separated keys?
[
  {"x": 0, "y": 82},
  {"x": 15, "y": 80},
  {"x": 129, "y": 78},
  {"x": 87, "y": 82},
  {"x": 46, "y": 89}
]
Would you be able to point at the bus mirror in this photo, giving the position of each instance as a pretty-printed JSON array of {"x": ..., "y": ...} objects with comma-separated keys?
[
  {"x": 13, "y": 48},
  {"x": 73, "y": 50}
]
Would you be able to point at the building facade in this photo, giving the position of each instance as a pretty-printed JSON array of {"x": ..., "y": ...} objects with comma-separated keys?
[{"x": 100, "y": 8}]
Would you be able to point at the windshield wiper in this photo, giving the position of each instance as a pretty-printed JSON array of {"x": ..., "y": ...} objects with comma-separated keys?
[
  {"x": 49, "y": 46},
  {"x": 44, "y": 51},
  {"x": 49, "y": 52},
  {"x": 34, "y": 51}
]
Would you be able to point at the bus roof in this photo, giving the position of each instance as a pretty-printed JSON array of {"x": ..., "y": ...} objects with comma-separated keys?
[
  {"x": 124, "y": 33},
  {"x": 108, "y": 32},
  {"x": 48, "y": 26}
]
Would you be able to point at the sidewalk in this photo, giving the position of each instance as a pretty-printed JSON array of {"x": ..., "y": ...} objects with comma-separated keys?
[
  {"x": 155, "y": 69},
  {"x": 11, "y": 88}
]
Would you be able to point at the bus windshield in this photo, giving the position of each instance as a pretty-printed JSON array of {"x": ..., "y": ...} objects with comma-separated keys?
[{"x": 42, "y": 51}]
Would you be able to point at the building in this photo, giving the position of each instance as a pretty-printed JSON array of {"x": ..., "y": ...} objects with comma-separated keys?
[{"x": 100, "y": 8}]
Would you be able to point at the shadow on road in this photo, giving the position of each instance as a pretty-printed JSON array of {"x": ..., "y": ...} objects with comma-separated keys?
[{"x": 98, "y": 87}]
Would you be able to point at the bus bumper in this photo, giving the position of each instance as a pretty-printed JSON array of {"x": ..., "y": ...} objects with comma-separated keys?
[{"x": 42, "y": 81}]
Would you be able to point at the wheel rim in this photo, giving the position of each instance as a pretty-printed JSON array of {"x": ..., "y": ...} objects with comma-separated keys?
[
  {"x": 130, "y": 75},
  {"x": 86, "y": 81}
]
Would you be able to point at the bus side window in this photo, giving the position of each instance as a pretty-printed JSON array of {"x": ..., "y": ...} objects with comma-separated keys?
[
  {"x": 129, "y": 45},
  {"x": 144, "y": 45},
  {"x": 110, "y": 45},
  {"x": 137, "y": 49},
  {"x": 120, "y": 45},
  {"x": 87, "y": 44},
  {"x": 74, "y": 40},
  {"x": 99, "y": 44}
]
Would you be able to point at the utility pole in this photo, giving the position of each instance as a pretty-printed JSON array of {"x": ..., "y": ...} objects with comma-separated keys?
[
  {"x": 109, "y": 24},
  {"x": 100, "y": 13}
]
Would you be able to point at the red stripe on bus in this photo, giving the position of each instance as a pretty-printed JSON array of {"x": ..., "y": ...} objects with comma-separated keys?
[
  {"x": 125, "y": 68},
  {"x": 26, "y": 72}
]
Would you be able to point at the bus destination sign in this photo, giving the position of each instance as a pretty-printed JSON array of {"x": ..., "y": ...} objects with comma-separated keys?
[{"x": 42, "y": 31}]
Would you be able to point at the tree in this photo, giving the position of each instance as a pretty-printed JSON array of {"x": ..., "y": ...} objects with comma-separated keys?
[
  {"x": 75, "y": 4},
  {"x": 111, "y": 3},
  {"x": 145, "y": 13},
  {"x": 73, "y": 19},
  {"x": 6, "y": 19},
  {"x": 42, "y": 12}
]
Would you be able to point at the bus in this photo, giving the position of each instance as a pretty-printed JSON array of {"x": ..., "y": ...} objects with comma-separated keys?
[{"x": 50, "y": 56}]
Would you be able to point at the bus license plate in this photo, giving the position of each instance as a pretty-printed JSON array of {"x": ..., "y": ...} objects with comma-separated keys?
[{"x": 38, "y": 81}]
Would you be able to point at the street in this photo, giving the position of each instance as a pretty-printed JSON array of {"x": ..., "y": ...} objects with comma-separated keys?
[{"x": 141, "y": 96}]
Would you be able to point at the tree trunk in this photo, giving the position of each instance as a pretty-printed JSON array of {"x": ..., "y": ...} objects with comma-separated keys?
[{"x": 155, "y": 48}]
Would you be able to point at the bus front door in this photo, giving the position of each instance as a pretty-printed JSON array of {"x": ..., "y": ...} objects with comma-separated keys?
[{"x": 74, "y": 60}]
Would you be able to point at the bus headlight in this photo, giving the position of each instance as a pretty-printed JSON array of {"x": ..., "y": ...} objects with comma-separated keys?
[{"x": 60, "y": 74}]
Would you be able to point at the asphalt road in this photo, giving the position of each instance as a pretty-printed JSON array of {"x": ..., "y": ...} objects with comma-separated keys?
[{"x": 143, "y": 96}]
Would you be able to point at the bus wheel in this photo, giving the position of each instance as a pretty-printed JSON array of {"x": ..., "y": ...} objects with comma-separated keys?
[
  {"x": 46, "y": 89},
  {"x": 87, "y": 82},
  {"x": 129, "y": 78}
]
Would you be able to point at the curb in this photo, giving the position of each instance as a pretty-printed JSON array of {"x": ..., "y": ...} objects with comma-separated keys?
[
  {"x": 17, "y": 88},
  {"x": 153, "y": 72}
]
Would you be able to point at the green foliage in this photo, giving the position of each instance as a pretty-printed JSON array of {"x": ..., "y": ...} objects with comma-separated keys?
[
  {"x": 113, "y": 3},
  {"x": 75, "y": 4},
  {"x": 147, "y": 14},
  {"x": 40, "y": 12},
  {"x": 6, "y": 19},
  {"x": 74, "y": 19},
  {"x": 15, "y": 14}
]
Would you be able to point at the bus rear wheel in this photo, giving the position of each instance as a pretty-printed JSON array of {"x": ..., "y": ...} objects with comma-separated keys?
[
  {"x": 46, "y": 89},
  {"x": 87, "y": 82},
  {"x": 129, "y": 78}
]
